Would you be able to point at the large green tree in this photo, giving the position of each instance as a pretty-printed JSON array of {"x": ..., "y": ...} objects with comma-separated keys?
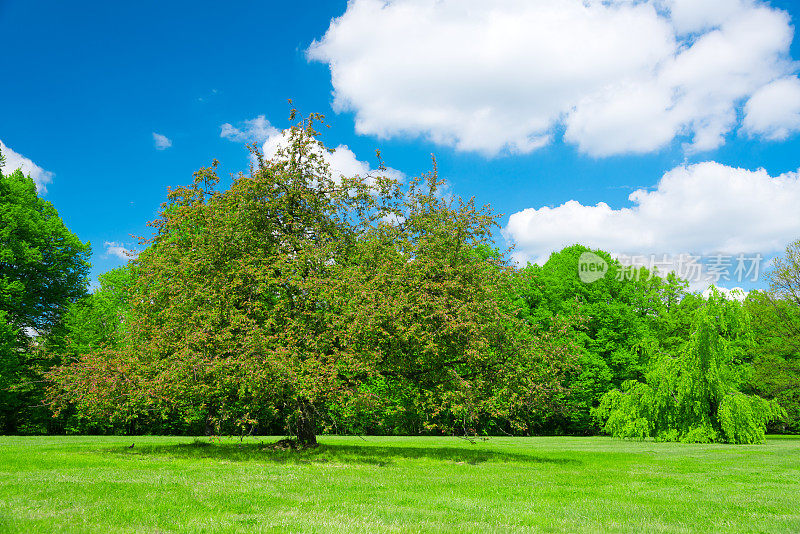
[
  {"x": 231, "y": 312},
  {"x": 43, "y": 268},
  {"x": 776, "y": 329},
  {"x": 617, "y": 320},
  {"x": 297, "y": 290}
]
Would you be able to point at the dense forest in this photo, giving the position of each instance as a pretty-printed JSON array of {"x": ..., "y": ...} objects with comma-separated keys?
[{"x": 300, "y": 302}]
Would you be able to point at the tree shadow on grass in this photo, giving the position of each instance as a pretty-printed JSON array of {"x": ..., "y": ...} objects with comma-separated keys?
[{"x": 366, "y": 454}]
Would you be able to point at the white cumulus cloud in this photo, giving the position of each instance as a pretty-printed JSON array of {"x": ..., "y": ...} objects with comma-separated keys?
[
  {"x": 618, "y": 76},
  {"x": 255, "y": 130},
  {"x": 16, "y": 161},
  {"x": 341, "y": 161},
  {"x": 161, "y": 142},
  {"x": 118, "y": 250},
  {"x": 706, "y": 208},
  {"x": 774, "y": 110}
]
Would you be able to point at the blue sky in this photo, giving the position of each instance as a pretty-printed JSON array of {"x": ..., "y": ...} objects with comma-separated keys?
[{"x": 544, "y": 110}]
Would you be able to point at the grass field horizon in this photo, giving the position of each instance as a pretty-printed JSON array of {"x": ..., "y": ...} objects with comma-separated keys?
[{"x": 396, "y": 484}]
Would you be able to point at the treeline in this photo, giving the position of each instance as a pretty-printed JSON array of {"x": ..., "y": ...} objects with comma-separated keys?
[{"x": 302, "y": 302}]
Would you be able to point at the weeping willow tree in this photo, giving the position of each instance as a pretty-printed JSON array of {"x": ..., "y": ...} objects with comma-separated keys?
[{"x": 694, "y": 396}]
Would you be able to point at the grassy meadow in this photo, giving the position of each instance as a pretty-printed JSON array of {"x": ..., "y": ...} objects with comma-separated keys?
[{"x": 396, "y": 484}]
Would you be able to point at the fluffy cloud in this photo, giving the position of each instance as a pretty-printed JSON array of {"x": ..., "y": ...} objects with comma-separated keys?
[
  {"x": 16, "y": 161},
  {"x": 161, "y": 142},
  {"x": 619, "y": 76},
  {"x": 691, "y": 16},
  {"x": 774, "y": 110},
  {"x": 341, "y": 161},
  {"x": 255, "y": 130},
  {"x": 703, "y": 209},
  {"x": 118, "y": 250}
]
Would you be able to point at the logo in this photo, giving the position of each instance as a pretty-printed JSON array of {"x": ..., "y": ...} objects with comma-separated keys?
[{"x": 591, "y": 267}]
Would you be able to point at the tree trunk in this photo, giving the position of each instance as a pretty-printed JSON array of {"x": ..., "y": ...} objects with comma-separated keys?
[{"x": 306, "y": 428}]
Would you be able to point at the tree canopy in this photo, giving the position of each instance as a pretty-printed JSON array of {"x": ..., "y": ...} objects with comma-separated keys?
[
  {"x": 43, "y": 268},
  {"x": 304, "y": 294}
]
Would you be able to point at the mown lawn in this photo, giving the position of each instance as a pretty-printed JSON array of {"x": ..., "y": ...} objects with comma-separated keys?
[{"x": 390, "y": 484}]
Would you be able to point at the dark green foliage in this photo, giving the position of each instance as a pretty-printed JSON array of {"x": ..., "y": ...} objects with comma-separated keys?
[
  {"x": 11, "y": 361},
  {"x": 618, "y": 316},
  {"x": 776, "y": 365},
  {"x": 43, "y": 268},
  {"x": 777, "y": 378}
]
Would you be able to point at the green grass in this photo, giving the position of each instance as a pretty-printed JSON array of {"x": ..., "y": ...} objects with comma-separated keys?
[{"x": 388, "y": 484}]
